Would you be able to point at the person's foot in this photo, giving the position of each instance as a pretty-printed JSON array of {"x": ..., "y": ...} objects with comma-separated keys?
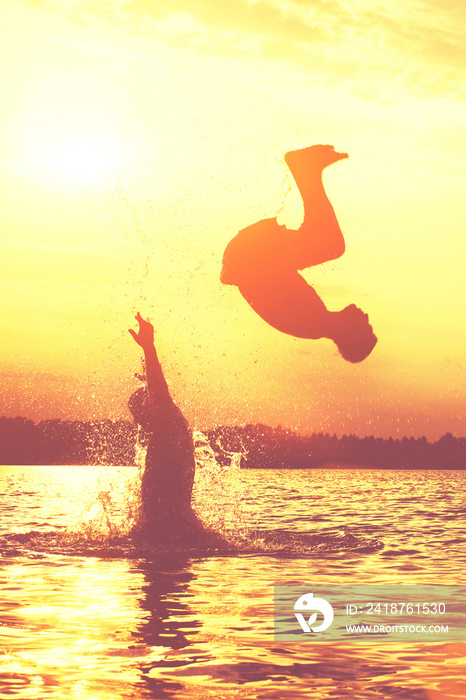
[{"x": 313, "y": 158}]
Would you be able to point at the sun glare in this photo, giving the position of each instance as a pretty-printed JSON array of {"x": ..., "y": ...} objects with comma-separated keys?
[
  {"x": 78, "y": 159},
  {"x": 70, "y": 133}
]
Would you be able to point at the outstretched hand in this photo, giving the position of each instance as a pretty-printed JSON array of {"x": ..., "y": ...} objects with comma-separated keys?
[{"x": 145, "y": 334}]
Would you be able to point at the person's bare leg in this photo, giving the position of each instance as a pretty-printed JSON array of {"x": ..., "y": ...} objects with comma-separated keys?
[{"x": 319, "y": 238}]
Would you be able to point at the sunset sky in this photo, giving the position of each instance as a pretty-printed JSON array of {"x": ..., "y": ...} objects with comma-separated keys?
[{"x": 138, "y": 137}]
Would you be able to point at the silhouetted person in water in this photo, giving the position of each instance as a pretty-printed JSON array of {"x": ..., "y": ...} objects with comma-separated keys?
[
  {"x": 263, "y": 262},
  {"x": 167, "y": 482}
]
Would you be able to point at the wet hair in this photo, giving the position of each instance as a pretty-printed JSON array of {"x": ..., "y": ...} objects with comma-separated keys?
[
  {"x": 358, "y": 339},
  {"x": 356, "y": 349},
  {"x": 140, "y": 405}
]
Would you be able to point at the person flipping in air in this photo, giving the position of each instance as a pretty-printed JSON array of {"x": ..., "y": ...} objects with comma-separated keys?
[{"x": 264, "y": 260}]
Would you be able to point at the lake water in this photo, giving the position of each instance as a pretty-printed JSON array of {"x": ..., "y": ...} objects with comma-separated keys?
[{"x": 85, "y": 615}]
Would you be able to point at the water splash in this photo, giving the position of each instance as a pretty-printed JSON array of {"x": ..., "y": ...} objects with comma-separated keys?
[
  {"x": 111, "y": 509},
  {"x": 218, "y": 488}
]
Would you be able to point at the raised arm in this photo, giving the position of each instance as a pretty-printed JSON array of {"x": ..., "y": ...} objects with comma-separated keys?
[{"x": 158, "y": 388}]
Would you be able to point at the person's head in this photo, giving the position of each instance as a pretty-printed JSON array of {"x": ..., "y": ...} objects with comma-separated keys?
[
  {"x": 356, "y": 339},
  {"x": 140, "y": 405}
]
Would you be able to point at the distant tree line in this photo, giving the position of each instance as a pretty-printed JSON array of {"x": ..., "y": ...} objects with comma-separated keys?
[
  {"x": 272, "y": 448},
  {"x": 67, "y": 442},
  {"x": 114, "y": 442}
]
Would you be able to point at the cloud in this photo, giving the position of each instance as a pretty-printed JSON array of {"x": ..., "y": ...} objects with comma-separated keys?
[
  {"x": 417, "y": 46},
  {"x": 260, "y": 18}
]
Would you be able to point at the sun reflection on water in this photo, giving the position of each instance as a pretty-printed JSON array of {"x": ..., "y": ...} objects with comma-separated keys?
[{"x": 114, "y": 623}]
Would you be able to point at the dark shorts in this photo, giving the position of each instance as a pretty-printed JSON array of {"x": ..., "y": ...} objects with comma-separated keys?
[{"x": 260, "y": 249}]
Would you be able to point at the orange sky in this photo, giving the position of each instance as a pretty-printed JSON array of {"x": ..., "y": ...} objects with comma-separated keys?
[{"x": 137, "y": 140}]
